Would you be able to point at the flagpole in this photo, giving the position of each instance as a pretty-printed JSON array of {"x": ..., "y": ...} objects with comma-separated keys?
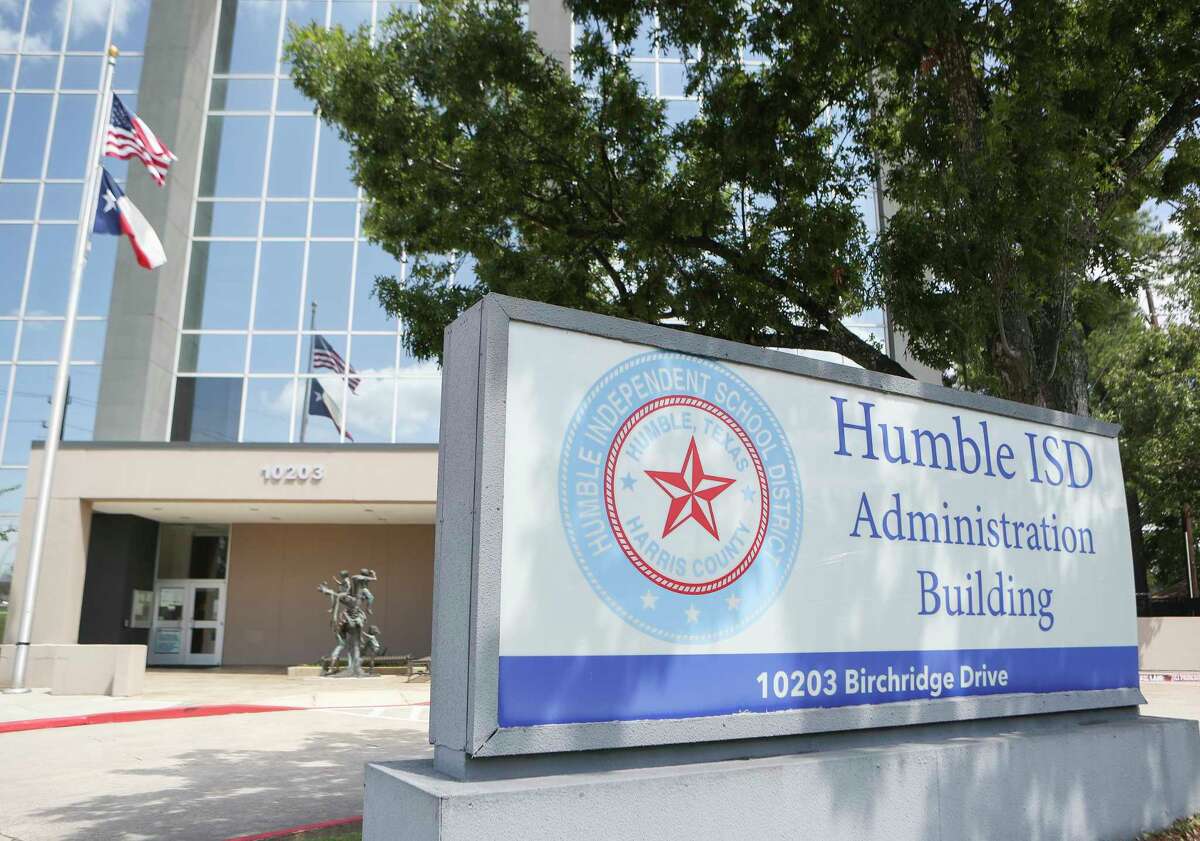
[
  {"x": 87, "y": 212},
  {"x": 308, "y": 369}
]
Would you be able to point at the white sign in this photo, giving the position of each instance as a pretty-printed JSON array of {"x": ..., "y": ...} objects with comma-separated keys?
[{"x": 686, "y": 537}]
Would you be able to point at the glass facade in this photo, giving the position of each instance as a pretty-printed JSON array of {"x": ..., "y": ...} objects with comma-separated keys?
[
  {"x": 275, "y": 256},
  {"x": 277, "y": 259},
  {"x": 51, "y": 59}
]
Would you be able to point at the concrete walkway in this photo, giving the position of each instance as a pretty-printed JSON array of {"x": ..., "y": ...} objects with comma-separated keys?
[
  {"x": 203, "y": 779},
  {"x": 207, "y": 779},
  {"x": 192, "y": 687}
]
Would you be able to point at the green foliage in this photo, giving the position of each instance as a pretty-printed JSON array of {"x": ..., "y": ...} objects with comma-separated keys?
[
  {"x": 1147, "y": 378},
  {"x": 1019, "y": 141},
  {"x": 1016, "y": 143},
  {"x": 470, "y": 140},
  {"x": 1186, "y": 829}
]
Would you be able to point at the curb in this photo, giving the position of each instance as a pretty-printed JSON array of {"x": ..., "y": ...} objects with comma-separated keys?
[
  {"x": 1170, "y": 677},
  {"x": 138, "y": 715},
  {"x": 296, "y": 830},
  {"x": 419, "y": 710}
]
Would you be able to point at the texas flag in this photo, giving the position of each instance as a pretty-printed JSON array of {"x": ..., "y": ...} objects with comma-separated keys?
[
  {"x": 116, "y": 215},
  {"x": 321, "y": 403}
]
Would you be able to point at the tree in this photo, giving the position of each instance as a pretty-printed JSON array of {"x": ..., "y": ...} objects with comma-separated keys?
[
  {"x": 470, "y": 140},
  {"x": 1147, "y": 378},
  {"x": 1020, "y": 139},
  {"x": 1016, "y": 142}
]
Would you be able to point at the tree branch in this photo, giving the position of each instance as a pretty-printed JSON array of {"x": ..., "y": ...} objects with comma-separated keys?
[
  {"x": 836, "y": 337},
  {"x": 1183, "y": 111},
  {"x": 615, "y": 277}
]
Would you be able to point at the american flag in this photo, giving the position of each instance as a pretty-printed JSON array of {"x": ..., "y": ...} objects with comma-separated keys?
[
  {"x": 324, "y": 356},
  {"x": 129, "y": 137}
]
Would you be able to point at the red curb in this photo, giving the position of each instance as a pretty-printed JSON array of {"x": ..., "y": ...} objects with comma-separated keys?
[
  {"x": 296, "y": 830},
  {"x": 368, "y": 706},
  {"x": 137, "y": 715}
]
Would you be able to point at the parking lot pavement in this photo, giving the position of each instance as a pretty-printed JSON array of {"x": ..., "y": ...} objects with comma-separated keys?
[{"x": 206, "y": 779}]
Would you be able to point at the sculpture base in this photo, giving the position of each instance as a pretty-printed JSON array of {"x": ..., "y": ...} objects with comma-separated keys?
[
  {"x": 343, "y": 675},
  {"x": 1111, "y": 774}
]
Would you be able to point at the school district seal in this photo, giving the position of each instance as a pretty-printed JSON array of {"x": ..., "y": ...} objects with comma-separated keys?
[{"x": 680, "y": 497}]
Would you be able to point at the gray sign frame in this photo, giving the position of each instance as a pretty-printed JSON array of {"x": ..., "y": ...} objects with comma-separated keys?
[{"x": 466, "y": 596}]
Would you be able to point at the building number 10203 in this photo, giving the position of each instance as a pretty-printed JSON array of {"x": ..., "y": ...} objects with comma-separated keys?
[
  {"x": 798, "y": 683},
  {"x": 293, "y": 472}
]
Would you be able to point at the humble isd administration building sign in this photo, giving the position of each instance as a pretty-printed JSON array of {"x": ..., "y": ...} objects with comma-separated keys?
[
  {"x": 682, "y": 536},
  {"x": 648, "y": 538}
]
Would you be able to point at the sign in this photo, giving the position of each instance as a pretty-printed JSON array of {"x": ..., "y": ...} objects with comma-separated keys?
[
  {"x": 277, "y": 473},
  {"x": 743, "y": 535},
  {"x": 168, "y": 641},
  {"x": 141, "y": 611}
]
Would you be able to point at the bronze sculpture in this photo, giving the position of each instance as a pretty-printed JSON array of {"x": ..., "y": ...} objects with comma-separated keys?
[{"x": 349, "y": 607}]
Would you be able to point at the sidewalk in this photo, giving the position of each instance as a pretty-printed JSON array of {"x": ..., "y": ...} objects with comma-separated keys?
[
  {"x": 167, "y": 688},
  {"x": 204, "y": 779}
]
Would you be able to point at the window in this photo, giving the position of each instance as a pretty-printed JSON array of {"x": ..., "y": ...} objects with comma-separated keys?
[
  {"x": 192, "y": 551},
  {"x": 235, "y": 149},
  {"x": 219, "y": 281},
  {"x": 207, "y": 409},
  {"x": 248, "y": 35},
  {"x": 277, "y": 256}
]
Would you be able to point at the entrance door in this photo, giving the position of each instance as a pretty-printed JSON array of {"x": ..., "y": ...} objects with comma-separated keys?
[{"x": 189, "y": 622}]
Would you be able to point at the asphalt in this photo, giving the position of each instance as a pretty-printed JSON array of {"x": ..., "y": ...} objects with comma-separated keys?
[{"x": 214, "y": 778}]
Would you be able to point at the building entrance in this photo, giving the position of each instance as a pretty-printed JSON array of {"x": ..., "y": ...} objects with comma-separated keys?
[
  {"x": 189, "y": 622},
  {"x": 189, "y": 596}
]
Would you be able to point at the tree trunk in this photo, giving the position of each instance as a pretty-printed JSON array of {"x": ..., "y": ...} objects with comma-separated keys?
[
  {"x": 1193, "y": 584},
  {"x": 1141, "y": 580},
  {"x": 1039, "y": 356}
]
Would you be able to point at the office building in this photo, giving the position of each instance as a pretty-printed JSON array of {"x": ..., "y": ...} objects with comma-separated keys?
[{"x": 197, "y": 504}]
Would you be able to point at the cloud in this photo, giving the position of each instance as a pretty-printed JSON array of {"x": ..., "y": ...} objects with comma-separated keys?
[
  {"x": 276, "y": 401},
  {"x": 369, "y": 410},
  {"x": 88, "y": 16},
  {"x": 419, "y": 409},
  {"x": 418, "y": 406},
  {"x": 10, "y": 30}
]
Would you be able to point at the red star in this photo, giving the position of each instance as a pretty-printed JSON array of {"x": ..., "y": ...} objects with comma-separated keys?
[{"x": 692, "y": 492}]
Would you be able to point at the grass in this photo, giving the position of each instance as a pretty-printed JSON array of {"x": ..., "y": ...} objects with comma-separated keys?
[
  {"x": 341, "y": 835},
  {"x": 3, "y": 621},
  {"x": 1187, "y": 829}
]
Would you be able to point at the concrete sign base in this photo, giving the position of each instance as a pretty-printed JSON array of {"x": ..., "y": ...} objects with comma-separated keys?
[{"x": 1089, "y": 775}]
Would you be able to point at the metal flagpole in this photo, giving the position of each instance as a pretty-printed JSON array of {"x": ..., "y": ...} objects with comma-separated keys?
[
  {"x": 87, "y": 212},
  {"x": 308, "y": 369}
]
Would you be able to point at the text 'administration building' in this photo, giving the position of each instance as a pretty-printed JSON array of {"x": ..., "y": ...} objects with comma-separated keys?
[{"x": 197, "y": 504}]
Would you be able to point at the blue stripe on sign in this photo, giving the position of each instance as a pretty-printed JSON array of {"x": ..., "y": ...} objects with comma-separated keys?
[{"x": 562, "y": 690}]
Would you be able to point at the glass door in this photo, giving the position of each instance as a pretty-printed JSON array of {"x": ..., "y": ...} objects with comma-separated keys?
[
  {"x": 207, "y": 626},
  {"x": 189, "y": 595},
  {"x": 189, "y": 623},
  {"x": 166, "y": 631}
]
